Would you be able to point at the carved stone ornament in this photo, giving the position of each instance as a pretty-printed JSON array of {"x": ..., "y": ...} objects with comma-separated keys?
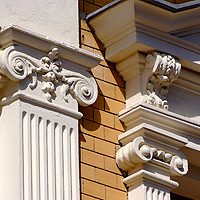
[
  {"x": 165, "y": 70},
  {"x": 17, "y": 66},
  {"x": 138, "y": 152}
]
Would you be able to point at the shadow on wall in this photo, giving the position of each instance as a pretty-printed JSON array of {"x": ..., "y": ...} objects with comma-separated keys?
[{"x": 184, "y": 103}]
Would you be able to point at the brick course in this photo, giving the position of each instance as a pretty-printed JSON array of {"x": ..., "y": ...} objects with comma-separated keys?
[{"x": 100, "y": 126}]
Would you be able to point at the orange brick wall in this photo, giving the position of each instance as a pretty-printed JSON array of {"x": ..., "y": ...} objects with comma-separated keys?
[
  {"x": 88, "y": 6},
  {"x": 100, "y": 126}
]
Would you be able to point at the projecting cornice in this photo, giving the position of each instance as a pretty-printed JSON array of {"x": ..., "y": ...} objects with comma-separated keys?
[
  {"x": 160, "y": 3},
  {"x": 15, "y": 35},
  {"x": 58, "y": 76},
  {"x": 133, "y": 25},
  {"x": 175, "y": 7}
]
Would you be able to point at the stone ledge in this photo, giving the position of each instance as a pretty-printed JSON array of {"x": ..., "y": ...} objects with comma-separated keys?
[{"x": 15, "y": 35}]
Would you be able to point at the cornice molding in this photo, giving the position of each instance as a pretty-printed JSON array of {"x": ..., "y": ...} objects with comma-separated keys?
[
  {"x": 17, "y": 65},
  {"x": 147, "y": 176},
  {"x": 174, "y": 7},
  {"x": 164, "y": 121},
  {"x": 16, "y": 35},
  {"x": 155, "y": 10},
  {"x": 140, "y": 32}
]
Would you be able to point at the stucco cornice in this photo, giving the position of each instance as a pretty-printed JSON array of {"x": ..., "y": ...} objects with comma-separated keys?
[
  {"x": 127, "y": 38},
  {"x": 159, "y": 3},
  {"x": 16, "y": 35},
  {"x": 174, "y": 7},
  {"x": 167, "y": 123}
]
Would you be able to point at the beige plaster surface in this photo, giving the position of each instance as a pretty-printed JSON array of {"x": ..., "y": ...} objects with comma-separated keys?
[{"x": 57, "y": 20}]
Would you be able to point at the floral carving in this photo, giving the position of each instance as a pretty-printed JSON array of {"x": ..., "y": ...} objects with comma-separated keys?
[
  {"x": 17, "y": 66},
  {"x": 166, "y": 69},
  {"x": 138, "y": 152}
]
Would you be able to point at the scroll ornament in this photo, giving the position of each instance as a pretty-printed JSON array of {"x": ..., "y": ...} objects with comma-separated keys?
[
  {"x": 138, "y": 152},
  {"x": 165, "y": 70},
  {"x": 17, "y": 66}
]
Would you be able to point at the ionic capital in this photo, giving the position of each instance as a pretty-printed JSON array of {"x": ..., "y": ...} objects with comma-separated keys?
[
  {"x": 16, "y": 64},
  {"x": 138, "y": 152}
]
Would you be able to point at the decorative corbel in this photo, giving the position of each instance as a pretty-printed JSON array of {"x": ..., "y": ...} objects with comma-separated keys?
[
  {"x": 16, "y": 66},
  {"x": 165, "y": 70}
]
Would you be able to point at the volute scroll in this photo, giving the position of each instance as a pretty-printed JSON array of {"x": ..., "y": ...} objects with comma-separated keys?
[{"x": 17, "y": 65}]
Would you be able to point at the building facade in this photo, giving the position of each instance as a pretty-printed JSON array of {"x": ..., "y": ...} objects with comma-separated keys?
[{"x": 100, "y": 100}]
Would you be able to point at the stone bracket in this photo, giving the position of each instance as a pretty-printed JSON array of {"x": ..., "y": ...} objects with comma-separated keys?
[{"x": 165, "y": 70}]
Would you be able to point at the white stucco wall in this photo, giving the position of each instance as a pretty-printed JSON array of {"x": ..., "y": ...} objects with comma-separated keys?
[{"x": 56, "y": 19}]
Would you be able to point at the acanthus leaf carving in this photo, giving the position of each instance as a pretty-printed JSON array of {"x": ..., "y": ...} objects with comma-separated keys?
[
  {"x": 138, "y": 152},
  {"x": 165, "y": 70},
  {"x": 17, "y": 66}
]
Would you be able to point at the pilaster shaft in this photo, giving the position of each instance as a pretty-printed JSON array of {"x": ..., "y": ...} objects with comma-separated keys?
[{"x": 39, "y": 118}]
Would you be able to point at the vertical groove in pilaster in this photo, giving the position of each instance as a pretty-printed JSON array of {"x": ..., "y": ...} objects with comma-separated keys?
[
  {"x": 27, "y": 156},
  {"x": 155, "y": 194},
  {"x": 35, "y": 157},
  {"x": 74, "y": 164},
  {"x": 67, "y": 163},
  {"x": 51, "y": 161},
  {"x": 161, "y": 195},
  {"x": 43, "y": 159},
  {"x": 150, "y": 193},
  {"x": 145, "y": 192},
  {"x": 59, "y": 164},
  {"x": 167, "y": 196}
]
